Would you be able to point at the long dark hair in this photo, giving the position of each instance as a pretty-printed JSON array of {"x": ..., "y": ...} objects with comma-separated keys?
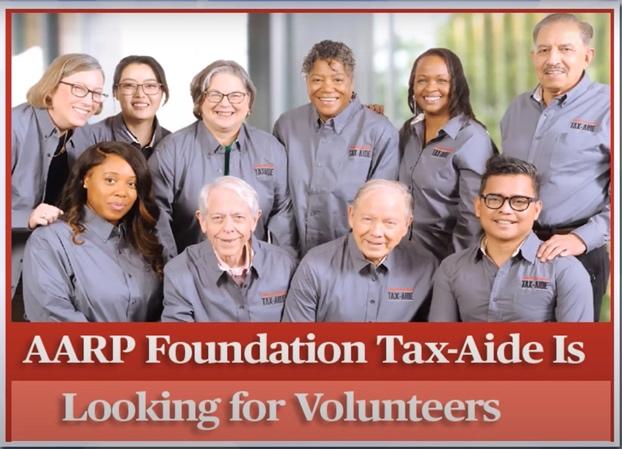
[
  {"x": 141, "y": 219},
  {"x": 459, "y": 93}
]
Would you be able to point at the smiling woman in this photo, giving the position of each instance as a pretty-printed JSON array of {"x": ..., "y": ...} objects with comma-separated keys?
[
  {"x": 102, "y": 260},
  {"x": 43, "y": 150}
]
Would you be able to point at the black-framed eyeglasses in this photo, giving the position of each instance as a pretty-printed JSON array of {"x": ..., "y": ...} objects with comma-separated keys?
[
  {"x": 517, "y": 202},
  {"x": 151, "y": 88},
  {"x": 81, "y": 91},
  {"x": 213, "y": 96}
]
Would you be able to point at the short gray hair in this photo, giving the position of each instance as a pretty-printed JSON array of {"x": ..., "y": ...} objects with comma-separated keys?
[
  {"x": 329, "y": 51},
  {"x": 237, "y": 185},
  {"x": 202, "y": 80},
  {"x": 586, "y": 30},
  {"x": 396, "y": 186}
]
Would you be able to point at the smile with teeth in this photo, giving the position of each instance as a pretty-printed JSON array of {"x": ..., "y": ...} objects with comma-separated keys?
[
  {"x": 502, "y": 221},
  {"x": 82, "y": 111},
  {"x": 432, "y": 98}
]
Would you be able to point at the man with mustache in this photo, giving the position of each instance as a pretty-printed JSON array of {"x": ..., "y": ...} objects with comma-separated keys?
[{"x": 563, "y": 128}]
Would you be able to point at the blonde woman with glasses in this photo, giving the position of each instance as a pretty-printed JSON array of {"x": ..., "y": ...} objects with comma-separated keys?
[{"x": 42, "y": 150}]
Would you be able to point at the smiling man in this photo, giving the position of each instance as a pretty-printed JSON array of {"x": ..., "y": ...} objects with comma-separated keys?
[
  {"x": 370, "y": 274},
  {"x": 563, "y": 127},
  {"x": 334, "y": 144},
  {"x": 230, "y": 276},
  {"x": 501, "y": 278}
]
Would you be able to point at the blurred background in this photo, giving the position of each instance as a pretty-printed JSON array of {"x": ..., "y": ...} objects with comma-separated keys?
[{"x": 494, "y": 49}]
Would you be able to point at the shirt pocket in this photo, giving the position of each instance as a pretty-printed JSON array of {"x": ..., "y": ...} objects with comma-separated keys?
[{"x": 576, "y": 150}]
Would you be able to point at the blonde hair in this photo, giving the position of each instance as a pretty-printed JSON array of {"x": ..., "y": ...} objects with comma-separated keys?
[{"x": 40, "y": 94}]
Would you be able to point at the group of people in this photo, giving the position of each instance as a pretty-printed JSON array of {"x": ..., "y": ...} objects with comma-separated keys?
[{"x": 336, "y": 216}]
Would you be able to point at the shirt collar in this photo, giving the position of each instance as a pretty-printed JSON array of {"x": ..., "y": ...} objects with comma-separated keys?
[
  {"x": 100, "y": 227},
  {"x": 46, "y": 125},
  {"x": 527, "y": 249},
  {"x": 119, "y": 126},
  {"x": 358, "y": 259},
  {"x": 341, "y": 120},
  {"x": 208, "y": 261},
  {"x": 583, "y": 85},
  {"x": 451, "y": 128},
  {"x": 209, "y": 142}
]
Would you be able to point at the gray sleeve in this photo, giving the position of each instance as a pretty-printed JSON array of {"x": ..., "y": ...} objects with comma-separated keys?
[
  {"x": 595, "y": 233},
  {"x": 471, "y": 165},
  {"x": 19, "y": 215},
  {"x": 281, "y": 224},
  {"x": 162, "y": 167},
  {"x": 276, "y": 132},
  {"x": 574, "y": 293},
  {"x": 444, "y": 306},
  {"x": 176, "y": 305},
  {"x": 386, "y": 162},
  {"x": 302, "y": 298},
  {"x": 47, "y": 283}
]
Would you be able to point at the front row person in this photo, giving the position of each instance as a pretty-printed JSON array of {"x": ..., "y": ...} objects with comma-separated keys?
[
  {"x": 370, "y": 274},
  {"x": 501, "y": 278},
  {"x": 231, "y": 276},
  {"x": 101, "y": 261}
]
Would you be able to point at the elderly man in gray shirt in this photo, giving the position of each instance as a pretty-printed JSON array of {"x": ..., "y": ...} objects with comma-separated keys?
[
  {"x": 501, "y": 278},
  {"x": 371, "y": 274},
  {"x": 563, "y": 127},
  {"x": 230, "y": 276}
]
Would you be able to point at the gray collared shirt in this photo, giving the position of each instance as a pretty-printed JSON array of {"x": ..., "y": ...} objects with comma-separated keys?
[
  {"x": 329, "y": 161},
  {"x": 569, "y": 143},
  {"x": 190, "y": 158},
  {"x": 196, "y": 289},
  {"x": 468, "y": 286},
  {"x": 34, "y": 138},
  {"x": 102, "y": 279},
  {"x": 114, "y": 129},
  {"x": 444, "y": 177},
  {"x": 334, "y": 282}
]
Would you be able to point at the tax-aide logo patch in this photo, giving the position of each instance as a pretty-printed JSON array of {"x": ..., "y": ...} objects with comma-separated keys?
[
  {"x": 540, "y": 283},
  {"x": 442, "y": 152},
  {"x": 583, "y": 125},
  {"x": 400, "y": 294},
  {"x": 270, "y": 298},
  {"x": 264, "y": 169},
  {"x": 360, "y": 150}
]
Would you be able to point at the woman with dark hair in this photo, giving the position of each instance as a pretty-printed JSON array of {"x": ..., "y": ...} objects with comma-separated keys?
[
  {"x": 444, "y": 150},
  {"x": 43, "y": 148},
  {"x": 218, "y": 143},
  {"x": 139, "y": 85},
  {"x": 102, "y": 260}
]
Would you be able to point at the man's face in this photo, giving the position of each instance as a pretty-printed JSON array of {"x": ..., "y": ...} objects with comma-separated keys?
[
  {"x": 379, "y": 220},
  {"x": 560, "y": 57},
  {"x": 506, "y": 225},
  {"x": 228, "y": 224}
]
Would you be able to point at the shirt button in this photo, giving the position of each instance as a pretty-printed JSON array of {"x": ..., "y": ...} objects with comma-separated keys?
[
  {"x": 129, "y": 275},
  {"x": 319, "y": 164},
  {"x": 241, "y": 307},
  {"x": 48, "y": 155},
  {"x": 219, "y": 170},
  {"x": 373, "y": 301},
  {"x": 494, "y": 299}
]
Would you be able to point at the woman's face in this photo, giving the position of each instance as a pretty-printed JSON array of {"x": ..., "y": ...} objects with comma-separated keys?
[
  {"x": 70, "y": 111},
  {"x": 330, "y": 88},
  {"x": 222, "y": 116},
  {"x": 139, "y": 93},
  {"x": 432, "y": 84},
  {"x": 111, "y": 188}
]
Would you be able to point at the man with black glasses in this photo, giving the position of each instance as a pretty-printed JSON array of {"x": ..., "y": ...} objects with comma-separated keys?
[{"x": 501, "y": 278}]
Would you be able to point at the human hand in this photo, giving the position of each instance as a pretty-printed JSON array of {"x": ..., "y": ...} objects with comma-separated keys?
[
  {"x": 43, "y": 215},
  {"x": 561, "y": 245},
  {"x": 377, "y": 108}
]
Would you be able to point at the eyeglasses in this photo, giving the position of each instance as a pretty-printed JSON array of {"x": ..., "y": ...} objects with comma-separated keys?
[
  {"x": 517, "y": 202},
  {"x": 81, "y": 91},
  {"x": 213, "y": 96},
  {"x": 132, "y": 88}
]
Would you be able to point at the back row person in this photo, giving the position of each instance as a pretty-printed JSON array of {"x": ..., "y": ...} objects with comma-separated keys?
[
  {"x": 563, "y": 128},
  {"x": 139, "y": 85}
]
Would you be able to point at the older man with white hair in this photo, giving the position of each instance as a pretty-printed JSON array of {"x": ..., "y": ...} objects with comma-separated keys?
[
  {"x": 230, "y": 276},
  {"x": 371, "y": 274}
]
